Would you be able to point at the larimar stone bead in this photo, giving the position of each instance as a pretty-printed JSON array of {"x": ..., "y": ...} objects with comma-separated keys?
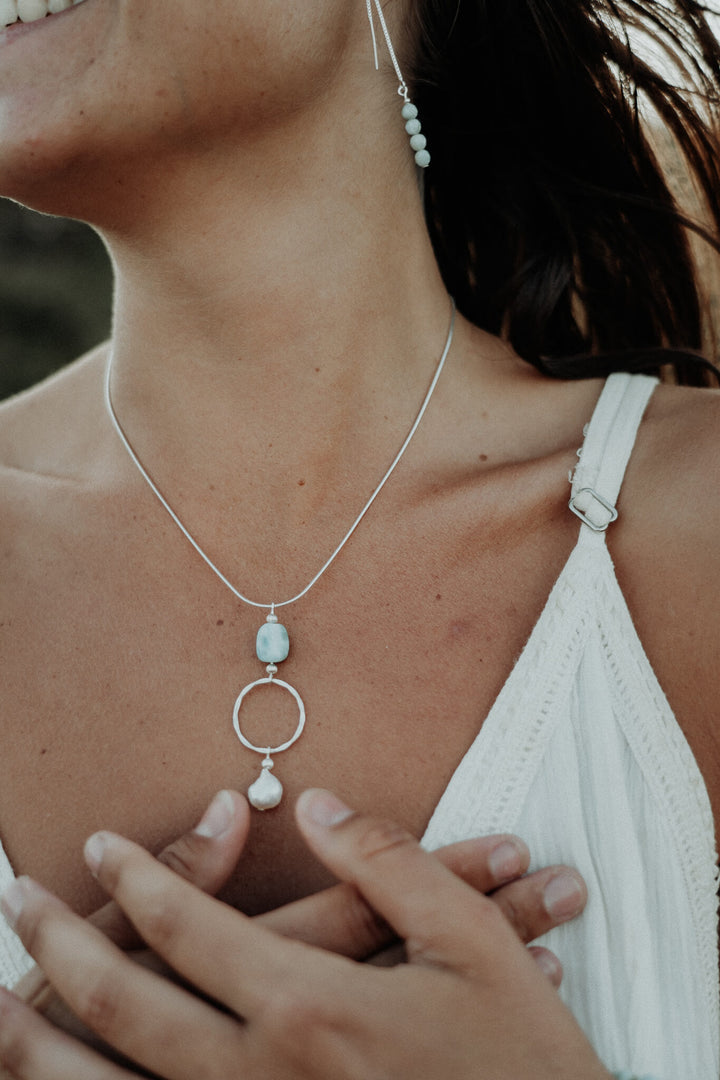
[{"x": 272, "y": 644}]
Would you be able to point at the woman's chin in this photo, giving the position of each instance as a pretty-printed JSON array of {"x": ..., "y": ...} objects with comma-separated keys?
[{"x": 47, "y": 172}]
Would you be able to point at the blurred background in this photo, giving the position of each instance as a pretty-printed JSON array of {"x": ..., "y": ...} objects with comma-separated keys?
[{"x": 55, "y": 294}]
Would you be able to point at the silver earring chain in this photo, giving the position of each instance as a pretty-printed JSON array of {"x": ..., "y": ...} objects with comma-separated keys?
[
  {"x": 402, "y": 89},
  {"x": 409, "y": 112}
]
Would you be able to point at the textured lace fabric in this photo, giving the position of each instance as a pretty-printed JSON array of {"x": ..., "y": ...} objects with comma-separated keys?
[{"x": 581, "y": 755}]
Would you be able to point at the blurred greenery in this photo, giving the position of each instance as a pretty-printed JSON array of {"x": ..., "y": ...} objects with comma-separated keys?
[{"x": 55, "y": 294}]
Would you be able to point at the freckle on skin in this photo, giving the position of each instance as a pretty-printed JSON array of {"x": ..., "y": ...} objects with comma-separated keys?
[
  {"x": 483, "y": 457},
  {"x": 438, "y": 596},
  {"x": 220, "y": 622},
  {"x": 301, "y": 483}
]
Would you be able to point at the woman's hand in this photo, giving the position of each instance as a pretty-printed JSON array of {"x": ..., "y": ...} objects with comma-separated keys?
[
  {"x": 471, "y": 1002},
  {"x": 337, "y": 919},
  {"x": 205, "y": 856}
]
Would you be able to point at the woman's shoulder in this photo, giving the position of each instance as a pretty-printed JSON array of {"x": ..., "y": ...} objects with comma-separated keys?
[
  {"x": 671, "y": 493},
  {"x": 677, "y": 456},
  {"x": 667, "y": 558},
  {"x": 678, "y": 406}
]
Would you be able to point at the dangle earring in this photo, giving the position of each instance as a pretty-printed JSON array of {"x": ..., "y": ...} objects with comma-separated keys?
[{"x": 409, "y": 112}]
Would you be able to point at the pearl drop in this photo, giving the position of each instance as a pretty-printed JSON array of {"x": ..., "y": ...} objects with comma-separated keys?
[
  {"x": 418, "y": 142},
  {"x": 409, "y": 111},
  {"x": 266, "y": 792},
  {"x": 422, "y": 158},
  {"x": 413, "y": 127}
]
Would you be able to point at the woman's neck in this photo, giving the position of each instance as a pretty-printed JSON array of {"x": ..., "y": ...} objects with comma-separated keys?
[{"x": 293, "y": 319}]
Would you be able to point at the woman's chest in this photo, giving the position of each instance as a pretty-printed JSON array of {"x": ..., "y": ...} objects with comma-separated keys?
[{"x": 122, "y": 675}]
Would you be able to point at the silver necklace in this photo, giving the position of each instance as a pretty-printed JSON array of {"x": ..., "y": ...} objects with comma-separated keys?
[{"x": 272, "y": 644}]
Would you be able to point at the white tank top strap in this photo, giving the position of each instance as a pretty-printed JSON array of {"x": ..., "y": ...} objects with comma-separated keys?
[{"x": 609, "y": 439}]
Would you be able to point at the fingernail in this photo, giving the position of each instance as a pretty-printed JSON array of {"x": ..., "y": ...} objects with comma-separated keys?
[
  {"x": 548, "y": 964},
  {"x": 563, "y": 896},
  {"x": 94, "y": 851},
  {"x": 323, "y": 808},
  {"x": 13, "y": 899},
  {"x": 218, "y": 817},
  {"x": 505, "y": 861}
]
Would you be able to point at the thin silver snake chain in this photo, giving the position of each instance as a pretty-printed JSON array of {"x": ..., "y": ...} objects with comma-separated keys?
[
  {"x": 402, "y": 89},
  {"x": 188, "y": 536}
]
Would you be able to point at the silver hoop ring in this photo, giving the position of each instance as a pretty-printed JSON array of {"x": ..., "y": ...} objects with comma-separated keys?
[{"x": 268, "y": 750}]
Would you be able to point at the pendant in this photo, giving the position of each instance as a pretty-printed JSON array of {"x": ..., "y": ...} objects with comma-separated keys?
[
  {"x": 266, "y": 792},
  {"x": 272, "y": 647}
]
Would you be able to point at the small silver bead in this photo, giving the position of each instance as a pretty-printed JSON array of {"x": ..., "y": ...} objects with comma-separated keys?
[
  {"x": 272, "y": 617},
  {"x": 271, "y": 669}
]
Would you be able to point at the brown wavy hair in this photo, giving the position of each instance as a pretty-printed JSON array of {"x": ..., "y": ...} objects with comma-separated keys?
[{"x": 548, "y": 199}]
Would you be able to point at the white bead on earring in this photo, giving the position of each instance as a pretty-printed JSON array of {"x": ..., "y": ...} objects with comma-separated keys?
[{"x": 418, "y": 142}]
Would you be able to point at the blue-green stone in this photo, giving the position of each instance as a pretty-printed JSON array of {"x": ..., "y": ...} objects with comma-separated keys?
[{"x": 273, "y": 643}]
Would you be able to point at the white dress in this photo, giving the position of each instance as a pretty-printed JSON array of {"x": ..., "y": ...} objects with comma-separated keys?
[{"x": 581, "y": 756}]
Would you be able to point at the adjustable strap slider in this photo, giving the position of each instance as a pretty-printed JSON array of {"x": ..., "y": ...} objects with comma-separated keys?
[{"x": 594, "y": 511}]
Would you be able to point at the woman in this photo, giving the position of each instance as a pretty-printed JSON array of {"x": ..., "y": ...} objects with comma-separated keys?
[{"x": 279, "y": 316}]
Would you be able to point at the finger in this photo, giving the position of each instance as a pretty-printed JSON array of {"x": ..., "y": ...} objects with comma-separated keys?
[
  {"x": 32, "y": 1049},
  {"x": 147, "y": 1018},
  {"x": 44, "y": 999},
  {"x": 442, "y": 920},
  {"x": 486, "y": 862},
  {"x": 537, "y": 903},
  {"x": 206, "y": 856},
  {"x": 548, "y": 963},
  {"x": 340, "y": 920},
  {"x": 196, "y": 934}
]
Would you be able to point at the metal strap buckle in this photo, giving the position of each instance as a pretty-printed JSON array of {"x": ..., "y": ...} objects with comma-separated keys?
[{"x": 582, "y": 510}]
